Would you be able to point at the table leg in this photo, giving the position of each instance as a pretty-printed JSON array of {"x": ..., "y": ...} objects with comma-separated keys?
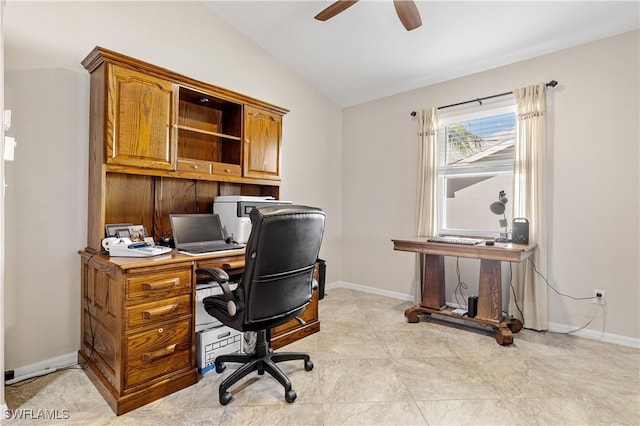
[
  {"x": 490, "y": 291},
  {"x": 433, "y": 289}
]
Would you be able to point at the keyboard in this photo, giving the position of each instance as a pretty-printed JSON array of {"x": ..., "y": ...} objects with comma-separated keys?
[
  {"x": 456, "y": 240},
  {"x": 210, "y": 248}
]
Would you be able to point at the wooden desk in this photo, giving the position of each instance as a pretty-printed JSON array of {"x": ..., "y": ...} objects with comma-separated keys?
[
  {"x": 489, "y": 287},
  {"x": 138, "y": 323}
]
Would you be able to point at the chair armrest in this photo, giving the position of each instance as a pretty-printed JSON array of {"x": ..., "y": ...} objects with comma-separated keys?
[
  {"x": 222, "y": 278},
  {"x": 217, "y": 274}
]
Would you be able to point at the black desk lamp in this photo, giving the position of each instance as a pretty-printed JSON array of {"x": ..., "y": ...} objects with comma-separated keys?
[{"x": 498, "y": 207}]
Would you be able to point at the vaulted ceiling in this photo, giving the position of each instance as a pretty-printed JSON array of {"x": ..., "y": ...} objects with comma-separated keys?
[{"x": 365, "y": 53}]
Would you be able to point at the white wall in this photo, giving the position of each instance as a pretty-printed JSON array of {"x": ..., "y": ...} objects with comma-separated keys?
[
  {"x": 593, "y": 190},
  {"x": 48, "y": 90}
]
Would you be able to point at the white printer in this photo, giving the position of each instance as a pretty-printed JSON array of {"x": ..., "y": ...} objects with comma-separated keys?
[{"x": 234, "y": 213}]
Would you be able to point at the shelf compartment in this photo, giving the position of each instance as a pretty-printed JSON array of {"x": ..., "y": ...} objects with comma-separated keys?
[
  {"x": 208, "y": 147},
  {"x": 207, "y": 113},
  {"x": 205, "y": 132}
]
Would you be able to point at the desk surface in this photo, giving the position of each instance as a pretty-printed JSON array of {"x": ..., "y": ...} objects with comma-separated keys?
[
  {"x": 508, "y": 252},
  {"x": 163, "y": 259}
]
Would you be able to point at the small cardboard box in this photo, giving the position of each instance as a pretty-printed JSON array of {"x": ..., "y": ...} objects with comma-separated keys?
[{"x": 214, "y": 342}]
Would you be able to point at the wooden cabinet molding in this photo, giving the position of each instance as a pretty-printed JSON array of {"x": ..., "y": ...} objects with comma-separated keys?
[{"x": 100, "y": 55}]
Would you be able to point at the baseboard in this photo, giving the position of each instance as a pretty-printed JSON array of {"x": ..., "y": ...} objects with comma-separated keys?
[
  {"x": 553, "y": 327},
  {"x": 596, "y": 335},
  {"x": 43, "y": 367},
  {"x": 366, "y": 289}
]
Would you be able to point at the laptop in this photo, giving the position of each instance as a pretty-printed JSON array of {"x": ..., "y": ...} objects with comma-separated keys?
[{"x": 199, "y": 234}]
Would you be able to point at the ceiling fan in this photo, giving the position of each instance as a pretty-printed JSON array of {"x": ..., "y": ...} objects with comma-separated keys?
[{"x": 406, "y": 10}]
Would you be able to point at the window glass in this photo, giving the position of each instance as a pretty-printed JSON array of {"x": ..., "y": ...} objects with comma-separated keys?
[{"x": 476, "y": 154}]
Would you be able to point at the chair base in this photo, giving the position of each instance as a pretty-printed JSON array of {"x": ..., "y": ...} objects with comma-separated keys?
[{"x": 261, "y": 359}]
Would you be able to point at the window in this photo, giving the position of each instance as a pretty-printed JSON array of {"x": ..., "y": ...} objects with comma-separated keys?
[{"x": 476, "y": 154}]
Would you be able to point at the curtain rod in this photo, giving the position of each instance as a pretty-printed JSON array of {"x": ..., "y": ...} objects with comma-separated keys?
[{"x": 552, "y": 83}]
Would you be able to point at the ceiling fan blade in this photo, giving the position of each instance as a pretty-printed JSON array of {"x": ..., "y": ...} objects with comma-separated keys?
[
  {"x": 408, "y": 14},
  {"x": 334, "y": 9}
]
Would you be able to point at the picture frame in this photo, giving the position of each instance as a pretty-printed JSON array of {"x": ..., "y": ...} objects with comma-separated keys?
[{"x": 113, "y": 229}]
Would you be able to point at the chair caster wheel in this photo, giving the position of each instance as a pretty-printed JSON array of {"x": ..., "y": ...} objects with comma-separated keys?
[
  {"x": 308, "y": 365},
  {"x": 226, "y": 397},
  {"x": 220, "y": 367},
  {"x": 290, "y": 396}
]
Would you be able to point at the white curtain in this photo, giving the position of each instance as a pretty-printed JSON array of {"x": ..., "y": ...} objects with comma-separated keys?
[
  {"x": 427, "y": 206},
  {"x": 529, "y": 202}
]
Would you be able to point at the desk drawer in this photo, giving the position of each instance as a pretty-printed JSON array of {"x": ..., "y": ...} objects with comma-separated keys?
[
  {"x": 159, "y": 285},
  {"x": 310, "y": 314},
  {"x": 161, "y": 310},
  {"x": 158, "y": 352}
]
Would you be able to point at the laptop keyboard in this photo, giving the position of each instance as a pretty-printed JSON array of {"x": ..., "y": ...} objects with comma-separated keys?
[{"x": 211, "y": 248}]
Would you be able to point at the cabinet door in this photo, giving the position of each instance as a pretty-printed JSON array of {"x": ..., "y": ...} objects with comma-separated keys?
[
  {"x": 140, "y": 120},
  {"x": 262, "y": 144}
]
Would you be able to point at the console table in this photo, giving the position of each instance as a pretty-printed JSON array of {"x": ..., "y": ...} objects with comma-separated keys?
[{"x": 489, "y": 287}]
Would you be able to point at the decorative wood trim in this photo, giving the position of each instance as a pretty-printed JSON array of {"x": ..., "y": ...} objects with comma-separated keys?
[{"x": 99, "y": 55}]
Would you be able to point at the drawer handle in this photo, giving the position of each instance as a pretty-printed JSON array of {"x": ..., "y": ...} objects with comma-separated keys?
[
  {"x": 227, "y": 170},
  {"x": 160, "y": 285},
  {"x": 233, "y": 264},
  {"x": 161, "y": 311},
  {"x": 161, "y": 353}
]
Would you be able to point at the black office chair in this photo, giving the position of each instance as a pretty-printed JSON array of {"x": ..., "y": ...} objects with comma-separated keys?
[{"x": 276, "y": 286}]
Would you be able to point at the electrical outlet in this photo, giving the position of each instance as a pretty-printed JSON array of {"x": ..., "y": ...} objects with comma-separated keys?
[{"x": 598, "y": 297}]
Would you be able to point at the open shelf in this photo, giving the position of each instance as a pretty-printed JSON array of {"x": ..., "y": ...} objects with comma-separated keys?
[
  {"x": 202, "y": 112},
  {"x": 209, "y": 134}
]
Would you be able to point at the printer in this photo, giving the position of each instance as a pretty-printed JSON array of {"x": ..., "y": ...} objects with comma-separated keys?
[{"x": 234, "y": 213}]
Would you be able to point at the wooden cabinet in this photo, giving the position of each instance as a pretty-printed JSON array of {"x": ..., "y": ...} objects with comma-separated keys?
[
  {"x": 139, "y": 120},
  {"x": 138, "y": 339},
  {"x": 162, "y": 143},
  {"x": 262, "y": 144},
  {"x": 138, "y": 324}
]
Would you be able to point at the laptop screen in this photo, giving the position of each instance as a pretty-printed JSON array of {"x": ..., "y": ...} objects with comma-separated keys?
[{"x": 195, "y": 228}]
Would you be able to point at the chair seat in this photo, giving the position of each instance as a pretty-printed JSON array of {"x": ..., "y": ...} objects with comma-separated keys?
[{"x": 216, "y": 306}]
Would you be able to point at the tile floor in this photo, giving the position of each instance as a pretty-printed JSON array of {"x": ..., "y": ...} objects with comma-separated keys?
[{"x": 374, "y": 368}]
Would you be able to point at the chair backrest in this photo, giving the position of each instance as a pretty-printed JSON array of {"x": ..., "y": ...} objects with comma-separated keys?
[{"x": 281, "y": 254}]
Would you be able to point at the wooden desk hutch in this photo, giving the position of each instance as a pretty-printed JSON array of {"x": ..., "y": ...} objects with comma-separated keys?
[{"x": 163, "y": 143}]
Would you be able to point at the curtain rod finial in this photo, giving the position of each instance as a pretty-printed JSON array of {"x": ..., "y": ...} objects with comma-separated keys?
[
  {"x": 552, "y": 83},
  {"x": 413, "y": 113}
]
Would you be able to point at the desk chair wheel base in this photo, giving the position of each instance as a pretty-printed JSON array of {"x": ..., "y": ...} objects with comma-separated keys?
[
  {"x": 290, "y": 396},
  {"x": 220, "y": 367},
  {"x": 225, "y": 398}
]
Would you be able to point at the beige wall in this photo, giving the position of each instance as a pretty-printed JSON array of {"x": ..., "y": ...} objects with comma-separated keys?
[
  {"x": 593, "y": 191},
  {"x": 363, "y": 175},
  {"x": 2, "y": 401},
  {"x": 47, "y": 89}
]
